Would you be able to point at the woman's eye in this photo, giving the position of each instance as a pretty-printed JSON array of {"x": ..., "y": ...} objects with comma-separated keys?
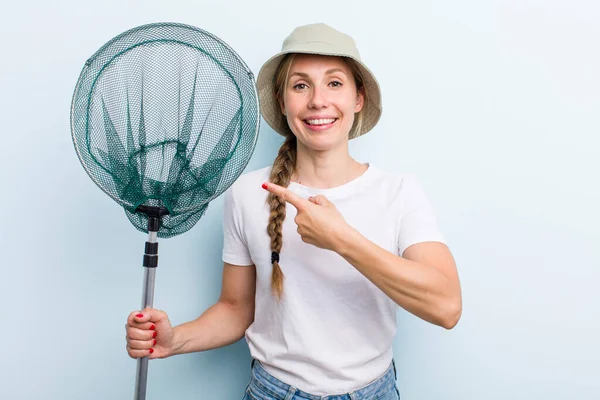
[
  {"x": 300, "y": 86},
  {"x": 336, "y": 84}
]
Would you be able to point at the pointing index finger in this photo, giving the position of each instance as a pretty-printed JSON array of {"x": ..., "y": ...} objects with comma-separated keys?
[{"x": 285, "y": 194}]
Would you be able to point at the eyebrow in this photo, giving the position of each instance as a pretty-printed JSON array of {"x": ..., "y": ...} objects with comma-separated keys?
[{"x": 328, "y": 72}]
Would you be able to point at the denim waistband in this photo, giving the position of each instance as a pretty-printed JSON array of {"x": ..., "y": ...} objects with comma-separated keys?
[{"x": 268, "y": 384}]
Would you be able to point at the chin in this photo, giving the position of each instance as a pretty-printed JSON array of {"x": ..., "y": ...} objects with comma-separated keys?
[
  {"x": 321, "y": 140},
  {"x": 323, "y": 143}
]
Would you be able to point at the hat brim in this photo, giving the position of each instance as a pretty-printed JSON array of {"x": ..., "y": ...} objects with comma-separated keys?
[{"x": 271, "y": 110}]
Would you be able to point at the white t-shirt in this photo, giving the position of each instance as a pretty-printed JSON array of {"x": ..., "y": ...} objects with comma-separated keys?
[{"x": 332, "y": 332}]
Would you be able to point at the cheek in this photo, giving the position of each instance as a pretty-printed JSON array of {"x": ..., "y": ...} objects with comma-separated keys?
[
  {"x": 348, "y": 102},
  {"x": 293, "y": 107},
  {"x": 350, "y": 108}
]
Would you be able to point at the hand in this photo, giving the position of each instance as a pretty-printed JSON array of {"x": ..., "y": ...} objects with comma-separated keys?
[
  {"x": 319, "y": 221},
  {"x": 149, "y": 334}
]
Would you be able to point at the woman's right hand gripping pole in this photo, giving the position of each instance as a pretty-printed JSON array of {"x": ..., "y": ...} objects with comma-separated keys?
[{"x": 149, "y": 334}]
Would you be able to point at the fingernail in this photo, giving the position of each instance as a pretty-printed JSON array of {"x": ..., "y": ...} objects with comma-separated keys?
[
  {"x": 264, "y": 185},
  {"x": 154, "y": 334},
  {"x": 154, "y": 342},
  {"x": 151, "y": 351},
  {"x": 139, "y": 315},
  {"x": 152, "y": 327}
]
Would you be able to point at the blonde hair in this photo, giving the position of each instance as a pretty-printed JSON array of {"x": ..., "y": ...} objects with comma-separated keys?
[{"x": 285, "y": 164}]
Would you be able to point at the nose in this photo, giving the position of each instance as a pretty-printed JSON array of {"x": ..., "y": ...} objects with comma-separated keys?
[{"x": 318, "y": 98}]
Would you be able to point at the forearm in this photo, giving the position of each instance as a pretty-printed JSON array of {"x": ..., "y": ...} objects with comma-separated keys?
[
  {"x": 421, "y": 289},
  {"x": 222, "y": 324}
]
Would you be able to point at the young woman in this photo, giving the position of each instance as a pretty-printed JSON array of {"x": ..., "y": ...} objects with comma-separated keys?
[{"x": 319, "y": 249}]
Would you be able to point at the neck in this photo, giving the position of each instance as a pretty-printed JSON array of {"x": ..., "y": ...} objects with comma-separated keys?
[{"x": 325, "y": 169}]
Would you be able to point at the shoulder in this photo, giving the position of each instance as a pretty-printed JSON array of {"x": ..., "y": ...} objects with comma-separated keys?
[
  {"x": 394, "y": 183},
  {"x": 404, "y": 190},
  {"x": 249, "y": 185}
]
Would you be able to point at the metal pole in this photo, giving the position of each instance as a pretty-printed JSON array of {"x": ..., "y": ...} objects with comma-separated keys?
[{"x": 147, "y": 301}]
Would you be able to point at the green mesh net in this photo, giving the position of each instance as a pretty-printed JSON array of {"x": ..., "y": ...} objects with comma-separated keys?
[{"x": 165, "y": 115}]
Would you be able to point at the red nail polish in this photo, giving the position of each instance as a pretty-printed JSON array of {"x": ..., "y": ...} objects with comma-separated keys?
[
  {"x": 151, "y": 351},
  {"x": 152, "y": 327},
  {"x": 139, "y": 315},
  {"x": 264, "y": 185},
  {"x": 154, "y": 342},
  {"x": 154, "y": 334}
]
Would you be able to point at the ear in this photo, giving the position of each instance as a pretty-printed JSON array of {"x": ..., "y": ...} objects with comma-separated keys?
[{"x": 360, "y": 100}]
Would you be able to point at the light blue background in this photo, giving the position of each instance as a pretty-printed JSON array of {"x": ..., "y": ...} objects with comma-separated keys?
[{"x": 493, "y": 104}]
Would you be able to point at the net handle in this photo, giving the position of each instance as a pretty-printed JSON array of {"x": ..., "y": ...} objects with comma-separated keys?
[{"x": 150, "y": 263}]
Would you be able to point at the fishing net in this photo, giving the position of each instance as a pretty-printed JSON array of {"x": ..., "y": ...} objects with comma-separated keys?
[{"x": 165, "y": 115}]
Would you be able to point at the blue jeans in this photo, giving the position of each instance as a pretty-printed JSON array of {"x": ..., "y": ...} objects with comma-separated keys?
[{"x": 264, "y": 386}]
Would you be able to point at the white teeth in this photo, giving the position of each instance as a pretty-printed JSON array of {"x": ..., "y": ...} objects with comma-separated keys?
[{"x": 320, "y": 121}]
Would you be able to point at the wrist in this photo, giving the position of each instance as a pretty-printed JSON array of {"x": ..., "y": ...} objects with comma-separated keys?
[
  {"x": 178, "y": 342},
  {"x": 346, "y": 240}
]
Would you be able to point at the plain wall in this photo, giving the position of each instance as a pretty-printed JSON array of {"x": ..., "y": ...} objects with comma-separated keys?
[{"x": 493, "y": 104}]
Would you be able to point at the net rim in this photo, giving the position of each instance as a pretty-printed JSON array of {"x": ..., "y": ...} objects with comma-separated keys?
[{"x": 177, "y": 25}]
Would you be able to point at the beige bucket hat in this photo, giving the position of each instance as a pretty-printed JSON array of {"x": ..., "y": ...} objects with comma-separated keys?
[{"x": 323, "y": 40}]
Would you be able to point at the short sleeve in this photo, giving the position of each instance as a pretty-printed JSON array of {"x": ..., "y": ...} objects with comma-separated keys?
[
  {"x": 235, "y": 248},
  {"x": 418, "y": 221}
]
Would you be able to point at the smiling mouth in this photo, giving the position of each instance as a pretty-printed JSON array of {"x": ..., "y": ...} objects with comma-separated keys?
[{"x": 320, "y": 121}]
